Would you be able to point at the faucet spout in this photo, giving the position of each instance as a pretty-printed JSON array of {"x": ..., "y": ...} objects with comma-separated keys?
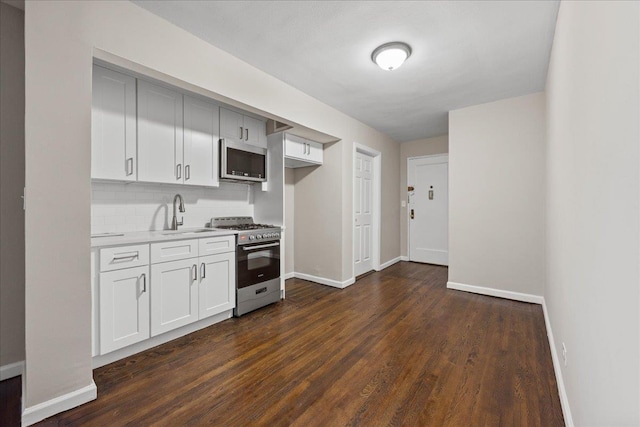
[{"x": 175, "y": 223}]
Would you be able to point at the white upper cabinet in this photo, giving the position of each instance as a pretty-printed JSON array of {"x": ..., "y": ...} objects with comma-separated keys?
[
  {"x": 255, "y": 132},
  {"x": 201, "y": 129},
  {"x": 160, "y": 134},
  {"x": 113, "y": 125},
  {"x": 231, "y": 125},
  {"x": 238, "y": 127},
  {"x": 301, "y": 152}
]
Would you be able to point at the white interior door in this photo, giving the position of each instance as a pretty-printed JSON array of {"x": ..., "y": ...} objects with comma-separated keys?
[
  {"x": 363, "y": 213},
  {"x": 428, "y": 210}
]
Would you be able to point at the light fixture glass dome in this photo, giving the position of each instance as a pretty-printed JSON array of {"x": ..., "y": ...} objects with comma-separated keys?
[{"x": 390, "y": 56}]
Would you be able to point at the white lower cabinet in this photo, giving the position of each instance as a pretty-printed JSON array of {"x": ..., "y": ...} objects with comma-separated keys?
[
  {"x": 135, "y": 302},
  {"x": 217, "y": 272},
  {"x": 174, "y": 295},
  {"x": 124, "y": 308}
]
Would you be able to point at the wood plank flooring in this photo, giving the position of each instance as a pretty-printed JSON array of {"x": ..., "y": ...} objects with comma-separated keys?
[{"x": 395, "y": 348}]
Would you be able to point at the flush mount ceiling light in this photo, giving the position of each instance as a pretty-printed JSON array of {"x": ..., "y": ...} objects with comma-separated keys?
[{"x": 392, "y": 55}]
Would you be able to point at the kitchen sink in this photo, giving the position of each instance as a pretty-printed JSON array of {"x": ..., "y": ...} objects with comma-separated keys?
[{"x": 191, "y": 231}]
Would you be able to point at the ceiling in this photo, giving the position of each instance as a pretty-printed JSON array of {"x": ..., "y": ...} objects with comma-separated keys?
[{"x": 464, "y": 53}]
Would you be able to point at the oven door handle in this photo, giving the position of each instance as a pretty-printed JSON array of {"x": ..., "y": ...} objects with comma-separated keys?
[{"x": 250, "y": 248}]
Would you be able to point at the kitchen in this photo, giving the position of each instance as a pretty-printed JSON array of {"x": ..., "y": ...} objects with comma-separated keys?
[
  {"x": 66, "y": 39},
  {"x": 160, "y": 155}
]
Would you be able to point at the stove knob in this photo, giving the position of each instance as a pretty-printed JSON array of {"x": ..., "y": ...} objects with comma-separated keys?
[
  {"x": 258, "y": 236},
  {"x": 251, "y": 237},
  {"x": 277, "y": 235},
  {"x": 269, "y": 235}
]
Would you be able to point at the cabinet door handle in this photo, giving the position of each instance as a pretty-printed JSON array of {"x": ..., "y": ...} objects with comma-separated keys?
[
  {"x": 144, "y": 282},
  {"x": 179, "y": 171},
  {"x": 187, "y": 172},
  {"x": 203, "y": 270},
  {"x": 194, "y": 270},
  {"x": 130, "y": 166},
  {"x": 246, "y": 134},
  {"x": 241, "y": 132}
]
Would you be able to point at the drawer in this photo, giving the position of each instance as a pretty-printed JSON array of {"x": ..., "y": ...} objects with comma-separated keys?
[
  {"x": 120, "y": 257},
  {"x": 174, "y": 250},
  {"x": 217, "y": 245}
]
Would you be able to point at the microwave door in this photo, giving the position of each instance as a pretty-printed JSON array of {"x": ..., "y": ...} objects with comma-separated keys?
[{"x": 242, "y": 162}]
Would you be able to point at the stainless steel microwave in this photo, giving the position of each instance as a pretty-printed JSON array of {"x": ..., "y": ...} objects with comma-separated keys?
[{"x": 242, "y": 162}]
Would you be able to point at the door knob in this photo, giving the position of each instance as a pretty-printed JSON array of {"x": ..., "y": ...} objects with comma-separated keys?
[{"x": 412, "y": 214}]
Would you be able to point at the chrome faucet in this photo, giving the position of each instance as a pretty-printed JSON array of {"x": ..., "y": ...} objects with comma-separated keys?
[{"x": 174, "y": 222}]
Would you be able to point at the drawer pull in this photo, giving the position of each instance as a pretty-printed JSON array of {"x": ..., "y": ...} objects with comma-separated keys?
[
  {"x": 203, "y": 271},
  {"x": 261, "y": 290},
  {"x": 144, "y": 282},
  {"x": 120, "y": 258},
  {"x": 194, "y": 270}
]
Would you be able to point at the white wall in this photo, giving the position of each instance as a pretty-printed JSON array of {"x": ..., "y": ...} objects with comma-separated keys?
[
  {"x": 421, "y": 147},
  {"x": 496, "y": 195},
  {"x": 592, "y": 285},
  {"x": 11, "y": 185},
  {"x": 289, "y": 220},
  {"x": 147, "y": 207},
  {"x": 61, "y": 38}
]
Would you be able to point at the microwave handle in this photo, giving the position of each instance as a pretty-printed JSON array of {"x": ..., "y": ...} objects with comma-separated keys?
[{"x": 250, "y": 248}]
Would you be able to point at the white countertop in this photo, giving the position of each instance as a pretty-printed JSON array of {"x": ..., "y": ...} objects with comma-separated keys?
[{"x": 115, "y": 239}]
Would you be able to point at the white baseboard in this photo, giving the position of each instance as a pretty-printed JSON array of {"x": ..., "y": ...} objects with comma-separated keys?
[
  {"x": 39, "y": 412},
  {"x": 389, "y": 263},
  {"x": 11, "y": 370},
  {"x": 517, "y": 296},
  {"x": 404, "y": 258},
  {"x": 325, "y": 281},
  {"x": 562, "y": 392},
  {"x": 289, "y": 275}
]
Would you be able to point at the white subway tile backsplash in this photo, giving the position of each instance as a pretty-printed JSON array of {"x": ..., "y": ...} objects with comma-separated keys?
[{"x": 145, "y": 207}]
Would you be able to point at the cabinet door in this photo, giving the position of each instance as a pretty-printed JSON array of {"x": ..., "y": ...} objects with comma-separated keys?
[
  {"x": 295, "y": 147},
  {"x": 314, "y": 152},
  {"x": 124, "y": 308},
  {"x": 113, "y": 125},
  {"x": 231, "y": 125},
  {"x": 160, "y": 134},
  {"x": 174, "y": 295},
  {"x": 201, "y": 126},
  {"x": 217, "y": 284},
  {"x": 255, "y": 132}
]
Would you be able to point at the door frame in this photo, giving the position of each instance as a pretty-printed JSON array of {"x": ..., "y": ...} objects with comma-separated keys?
[
  {"x": 436, "y": 158},
  {"x": 375, "y": 204}
]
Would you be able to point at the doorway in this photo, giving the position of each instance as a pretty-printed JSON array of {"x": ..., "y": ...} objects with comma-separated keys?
[
  {"x": 366, "y": 209},
  {"x": 428, "y": 209}
]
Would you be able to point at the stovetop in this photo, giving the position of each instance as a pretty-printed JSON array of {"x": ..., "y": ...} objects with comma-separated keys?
[
  {"x": 243, "y": 227},
  {"x": 249, "y": 232}
]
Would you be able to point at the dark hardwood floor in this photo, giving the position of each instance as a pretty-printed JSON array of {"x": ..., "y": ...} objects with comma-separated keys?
[{"x": 395, "y": 348}]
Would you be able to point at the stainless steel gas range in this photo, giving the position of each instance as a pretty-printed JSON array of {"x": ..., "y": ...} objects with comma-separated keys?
[{"x": 257, "y": 262}]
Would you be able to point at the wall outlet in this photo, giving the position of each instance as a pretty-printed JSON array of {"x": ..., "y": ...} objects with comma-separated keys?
[
  {"x": 403, "y": 204},
  {"x": 564, "y": 354}
]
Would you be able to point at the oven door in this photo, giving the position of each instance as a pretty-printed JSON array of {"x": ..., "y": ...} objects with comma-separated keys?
[{"x": 257, "y": 263}]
